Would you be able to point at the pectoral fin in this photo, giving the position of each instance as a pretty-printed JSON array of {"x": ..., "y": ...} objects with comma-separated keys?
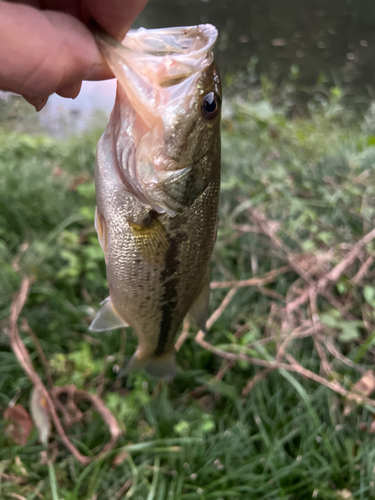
[
  {"x": 107, "y": 318},
  {"x": 151, "y": 240},
  {"x": 199, "y": 310}
]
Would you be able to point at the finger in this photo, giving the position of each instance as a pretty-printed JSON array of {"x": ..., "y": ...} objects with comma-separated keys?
[
  {"x": 37, "y": 102},
  {"x": 70, "y": 91},
  {"x": 41, "y": 52},
  {"x": 114, "y": 16}
]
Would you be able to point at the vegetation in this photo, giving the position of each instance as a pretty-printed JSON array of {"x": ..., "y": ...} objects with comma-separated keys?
[{"x": 239, "y": 423}]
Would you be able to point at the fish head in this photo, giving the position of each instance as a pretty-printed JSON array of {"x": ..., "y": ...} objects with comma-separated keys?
[
  {"x": 169, "y": 80},
  {"x": 192, "y": 124}
]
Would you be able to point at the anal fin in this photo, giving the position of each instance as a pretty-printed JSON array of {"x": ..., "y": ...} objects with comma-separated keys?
[
  {"x": 107, "y": 318},
  {"x": 199, "y": 310}
]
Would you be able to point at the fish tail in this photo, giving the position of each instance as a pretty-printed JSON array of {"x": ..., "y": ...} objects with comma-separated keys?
[{"x": 159, "y": 367}]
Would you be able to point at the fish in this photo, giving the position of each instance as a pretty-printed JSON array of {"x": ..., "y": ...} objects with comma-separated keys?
[{"x": 157, "y": 180}]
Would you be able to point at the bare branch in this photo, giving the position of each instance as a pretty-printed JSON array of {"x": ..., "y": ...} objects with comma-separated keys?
[
  {"x": 23, "y": 357},
  {"x": 107, "y": 416},
  {"x": 261, "y": 375},
  {"x": 219, "y": 311},
  {"x": 255, "y": 281},
  {"x": 338, "y": 355},
  {"x": 183, "y": 335},
  {"x": 294, "y": 366},
  {"x": 335, "y": 273},
  {"x": 26, "y": 328},
  {"x": 363, "y": 270}
]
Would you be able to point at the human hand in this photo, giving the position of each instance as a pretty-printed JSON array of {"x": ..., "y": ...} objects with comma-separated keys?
[{"x": 46, "y": 47}]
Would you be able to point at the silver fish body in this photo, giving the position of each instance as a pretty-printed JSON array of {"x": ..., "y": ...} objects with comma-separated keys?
[{"x": 157, "y": 181}]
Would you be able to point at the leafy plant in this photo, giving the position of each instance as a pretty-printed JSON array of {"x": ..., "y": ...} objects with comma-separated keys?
[{"x": 297, "y": 195}]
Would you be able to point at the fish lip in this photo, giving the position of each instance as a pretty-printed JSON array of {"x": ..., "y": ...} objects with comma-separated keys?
[
  {"x": 133, "y": 47},
  {"x": 160, "y": 64},
  {"x": 206, "y": 30},
  {"x": 161, "y": 57}
]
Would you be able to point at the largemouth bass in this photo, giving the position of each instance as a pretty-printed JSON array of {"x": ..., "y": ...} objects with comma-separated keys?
[{"x": 157, "y": 181}]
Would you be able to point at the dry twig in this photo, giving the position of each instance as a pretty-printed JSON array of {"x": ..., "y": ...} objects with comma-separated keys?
[
  {"x": 17, "y": 496},
  {"x": 244, "y": 228},
  {"x": 23, "y": 357},
  {"x": 270, "y": 228},
  {"x": 335, "y": 273},
  {"x": 124, "y": 488},
  {"x": 225, "y": 367},
  {"x": 27, "y": 329},
  {"x": 261, "y": 375},
  {"x": 325, "y": 365},
  {"x": 294, "y": 366},
  {"x": 293, "y": 335},
  {"x": 363, "y": 270},
  {"x": 183, "y": 335},
  {"x": 338, "y": 355},
  {"x": 255, "y": 281},
  {"x": 219, "y": 311},
  {"x": 107, "y": 416},
  {"x": 313, "y": 288}
]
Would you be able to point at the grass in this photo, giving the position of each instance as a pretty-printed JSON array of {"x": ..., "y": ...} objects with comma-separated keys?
[{"x": 310, "y": 174}]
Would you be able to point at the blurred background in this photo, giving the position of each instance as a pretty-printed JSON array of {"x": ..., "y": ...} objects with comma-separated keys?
[
  {"x": 273, "y": 412},
  {"x": 321, "y": 41}
]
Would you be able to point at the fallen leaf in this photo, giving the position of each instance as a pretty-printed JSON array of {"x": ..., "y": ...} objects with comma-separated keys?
[
  {"x": 364, "y": 387},
  {"x": 40, "y": 414},
  {"x": 344, "y": 494},
  {"x": 19, "y": 425}
]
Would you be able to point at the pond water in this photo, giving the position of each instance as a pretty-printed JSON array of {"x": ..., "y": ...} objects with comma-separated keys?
[
  {"x": 333, "y": 35},
  {"x": 336, "y": 37}
]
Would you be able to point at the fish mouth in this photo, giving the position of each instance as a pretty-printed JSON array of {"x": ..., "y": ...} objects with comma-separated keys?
[
  {"x": 159, "y": 57},
  {"x": 187, "y": 46},
  {"x": 157, "y": 72},
  {"x": 158, "y": 68},
  {"x": 192, "y": 40}
]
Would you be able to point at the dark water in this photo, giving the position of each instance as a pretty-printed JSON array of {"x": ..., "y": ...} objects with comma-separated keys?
[{"x": 334, "y": 36}]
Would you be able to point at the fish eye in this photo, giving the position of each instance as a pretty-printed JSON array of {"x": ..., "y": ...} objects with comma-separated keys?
[{"x": 210, "y": 106}]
